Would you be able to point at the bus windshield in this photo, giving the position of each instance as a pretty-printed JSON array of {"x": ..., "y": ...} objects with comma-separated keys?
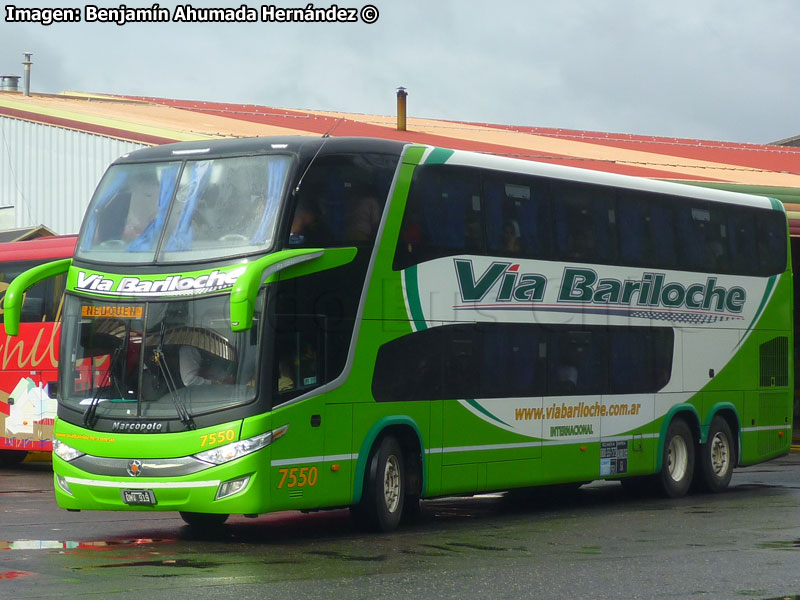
[
  {"x": 148, "y": 359},
  {"x": 171, "y": 212}
]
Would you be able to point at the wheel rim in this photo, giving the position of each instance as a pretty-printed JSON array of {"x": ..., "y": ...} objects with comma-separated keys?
[
  {"x": 677, "y": 458},
  {"x": 720, "y": 454},
  {"x": 391, "y": 483}
]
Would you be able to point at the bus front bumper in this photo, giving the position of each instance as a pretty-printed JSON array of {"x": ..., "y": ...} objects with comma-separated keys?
[{"x": 238, "y": 487}]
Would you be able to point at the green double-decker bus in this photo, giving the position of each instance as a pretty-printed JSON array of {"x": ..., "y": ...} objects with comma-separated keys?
[{"x": 260, "y": 325}]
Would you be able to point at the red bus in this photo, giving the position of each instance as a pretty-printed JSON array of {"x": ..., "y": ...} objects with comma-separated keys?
[{"x": 29, "y": 363}]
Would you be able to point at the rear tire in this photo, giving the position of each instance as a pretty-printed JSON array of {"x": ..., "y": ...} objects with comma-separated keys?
[
  {"x": 717, "y": 457},
  {"x": 203, "y": 520},
  {"x": 383, "y": 496},
  {"x": 677, "y": 460}
]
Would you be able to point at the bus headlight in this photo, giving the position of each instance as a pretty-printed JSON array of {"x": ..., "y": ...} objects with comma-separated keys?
[
  {"x": 229, "y": 452},
  {"x": 64, "y": 452}
]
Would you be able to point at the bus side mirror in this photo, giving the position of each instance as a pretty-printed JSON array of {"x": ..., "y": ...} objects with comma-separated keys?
[
  {"x": 245, "y": 290},
  {"x": 12, "y": 303}
]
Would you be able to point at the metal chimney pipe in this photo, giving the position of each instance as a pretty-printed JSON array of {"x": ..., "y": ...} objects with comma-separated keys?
[
  {"x": 26, "y": 85},
  {"x": 401, "y": 108}
]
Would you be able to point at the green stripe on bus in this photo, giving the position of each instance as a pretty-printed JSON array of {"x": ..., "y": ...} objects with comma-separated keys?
[
  {"x": 414, "y": 304},
  {"x": 438, "y": 156},
  {"x": 767, "y": 292},
  {"x": 414, "y": 154},
  {"x": 480, "y": 408}
]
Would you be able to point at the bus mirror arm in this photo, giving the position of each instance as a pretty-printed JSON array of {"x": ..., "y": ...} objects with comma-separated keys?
[
  {"x": 245, "y": 290},
  {"x": 12, "y": 304},
  {"x": 290, "y": 263}
]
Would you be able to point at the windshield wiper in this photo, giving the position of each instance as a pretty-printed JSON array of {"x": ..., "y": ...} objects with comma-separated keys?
[
  {"x": 169, "y": 380},
  {"x": 90, "y": 416}
]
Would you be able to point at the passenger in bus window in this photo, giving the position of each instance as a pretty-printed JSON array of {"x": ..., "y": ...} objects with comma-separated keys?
[
  {"x": 305, "y": 225},
  {"x": 143, "y": 204},
  {"x": 195, "y": 370},
  {"x": 511, "y": 237},
  {"x": 567, "y": 379},
  {"x": 580, "y": 245},
  {"x": 285, "y": 372},
  {"x": 363, "y": 216}
]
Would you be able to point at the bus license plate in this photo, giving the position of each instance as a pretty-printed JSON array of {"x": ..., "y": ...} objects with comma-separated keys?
[{"x": 139, "y": 497}]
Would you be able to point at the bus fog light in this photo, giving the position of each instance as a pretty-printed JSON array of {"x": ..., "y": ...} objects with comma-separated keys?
[
  {"x": 229, "y": 488},
  {"x": 62, "y": 483}
]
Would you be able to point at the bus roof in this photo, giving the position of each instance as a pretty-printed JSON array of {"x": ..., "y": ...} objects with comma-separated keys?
[
  {"x": 302, "y": 145},
  {"x": 59, "y": 246},
  {"x": 307, "y": 146}
]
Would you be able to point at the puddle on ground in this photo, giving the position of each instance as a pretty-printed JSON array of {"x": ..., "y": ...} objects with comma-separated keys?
[
  {"x": 473, "y": 546},
  {"x": 340, "y": 556},
  {"x": 179, "y": 562},
  {"x": 67, "y": 545},
  {"x": 14, "y": 574},
  {"x": 781, "y": 545}
]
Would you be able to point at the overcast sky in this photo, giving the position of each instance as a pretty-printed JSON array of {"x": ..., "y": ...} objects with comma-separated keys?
[{"x": 712, "y": 69}]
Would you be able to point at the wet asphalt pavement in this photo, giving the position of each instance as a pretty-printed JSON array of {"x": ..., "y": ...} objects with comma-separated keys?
[{"x": 594, "y": 543}]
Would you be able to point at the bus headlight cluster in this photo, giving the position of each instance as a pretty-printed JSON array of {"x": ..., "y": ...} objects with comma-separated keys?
[
  {"x": 64, "y": 452},
  {"x": 229, "y": 452}
]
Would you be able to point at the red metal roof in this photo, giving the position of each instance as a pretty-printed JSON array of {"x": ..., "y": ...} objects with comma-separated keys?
[
  {"x": 45, "y": 248},
  {"x": 764, "y": 169}
]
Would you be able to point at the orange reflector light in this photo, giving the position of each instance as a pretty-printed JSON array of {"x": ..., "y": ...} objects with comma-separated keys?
[
  {"x": 780, "y": 434},
  {"x": 583, "y": 448},
  {"x": 335, "y": 467}
]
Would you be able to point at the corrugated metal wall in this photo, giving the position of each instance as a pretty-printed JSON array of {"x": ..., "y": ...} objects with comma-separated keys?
[{"x": 49, "y": 173}]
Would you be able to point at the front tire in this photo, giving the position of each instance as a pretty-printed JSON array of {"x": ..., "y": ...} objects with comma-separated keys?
[
  {"x": 717, "y": 457},
  {"x": 383, "y": 496},
  {"x": 677, "y": 460},
  {"x": 203, "y": 520}
]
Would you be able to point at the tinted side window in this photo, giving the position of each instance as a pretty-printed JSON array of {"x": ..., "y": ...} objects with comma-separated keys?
[
  {"x": 703, "y": 237},
  {"x": 301, "y": 363},
  {"x": 772, "y": 242},
  {"x": 456, "y": 210},
  {"x": 517, "y": 216},
  {"x": 443, "y": 216},
  {"x": 514, "y": 361},
  {"x": 645, "y": 231},
  {"x": 640, "y": 359},
  {"x": 584, "y": 222},
  {"x": 341, "y": 200},
  {"x": 318, "y": 310},
  {"x": 742, "y": 241},
  {"x": 577, "y": 362},
  {"x": 504, "y": 360}
]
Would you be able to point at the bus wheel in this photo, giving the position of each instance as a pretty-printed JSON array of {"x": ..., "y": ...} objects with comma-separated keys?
[
  {"x": 383, "y": 496},
  {"x": 717, "y": 457},
  {"x": 194, "y": 519},
  {"x": 677, "y": 462},
  {"x": 9, "y": 458}
]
